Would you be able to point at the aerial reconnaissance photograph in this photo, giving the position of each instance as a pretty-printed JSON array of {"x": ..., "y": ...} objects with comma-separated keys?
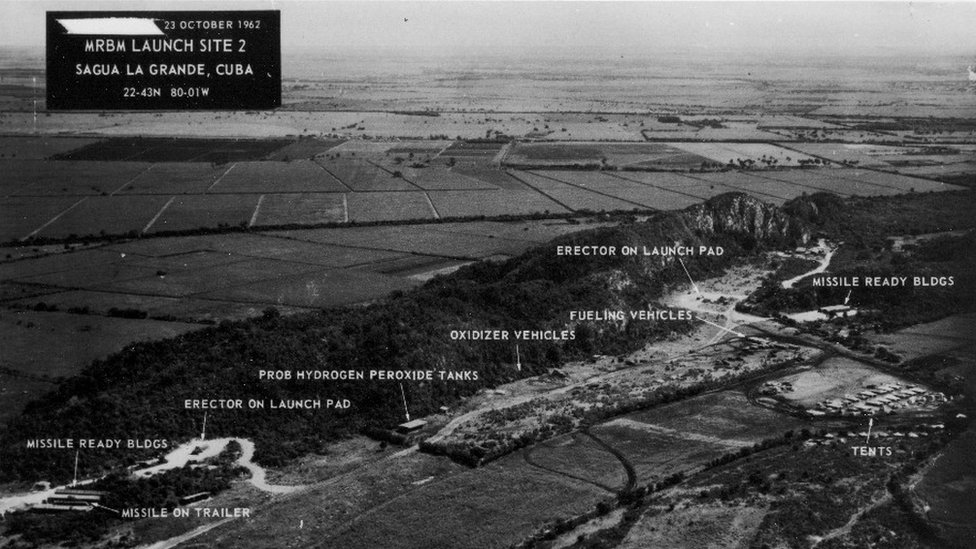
[{"x": 298, "y": 274}]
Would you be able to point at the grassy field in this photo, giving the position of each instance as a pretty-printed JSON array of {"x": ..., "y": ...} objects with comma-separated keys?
[
  {"x": 684, "y": 435},
  {"x": 196, "y": 211},
  {"x": 579, "y": 456},
  {"x": 279, "y": 209},
  {"x": 277, "y": 177},
  {"x": 169, "y": 178},
  {"x": 384, "y": 206},
  {"x": 490, "y": 203},
  {"x": 948, "y": 488},
  {"x": 47, "y": 346},
  {"x": 833, "y": 379},
  {"x": 362, "y": 176},
  {"x": 507, "y": 501},
  {"x": 39, "y": 148},
  {"x": 114, "y": 215},
  {"x": 713, "y": 526}
]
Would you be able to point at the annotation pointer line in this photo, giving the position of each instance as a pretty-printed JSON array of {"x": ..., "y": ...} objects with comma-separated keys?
[
  {"x": 870, "y": 424},
  {"x": 406, "y": 410},
  {"x": 720, "y": 327},
  {"x": 106, "y": 508},
  {"x": 848, "y": 298},
  {"x": 693, "y": 285}
]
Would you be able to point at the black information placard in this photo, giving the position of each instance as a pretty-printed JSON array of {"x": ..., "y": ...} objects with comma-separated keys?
[{"x": 163, "y": 60}]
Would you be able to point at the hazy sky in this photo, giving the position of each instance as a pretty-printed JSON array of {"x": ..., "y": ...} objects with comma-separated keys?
[{"x": 639, "y": 28}]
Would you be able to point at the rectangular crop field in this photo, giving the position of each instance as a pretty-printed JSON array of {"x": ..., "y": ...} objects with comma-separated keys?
[
  {"x": 653, "y": 454},
  {"x": 23, "y": 215},
  {"x": 285, "y": 247},
  {"x": 831, "y": 180},
  {"x": 38, "y": 148},
  {"x": 165, "y": 149},
  {"x": 508, "y": 500},
  {"x": 305, "y": 208},
  {"x": 303, "y": 149},
  {"x": 362, "y": 176},
  {"x": 387, "y": 206},
  {"x": 443, "y": 179},
  {"x": 169, "y": 178},
  {"x": 28, "y": 346},
  {"x": 765, "y": 189},
  {"x": 49, "y": 178},
  {"x": 491, "y": 176},
  {"x": 491, "y": 203},
  {"x": 579, "y": 456},
  {"x": 184, "y": 283},
  {"x": 109, "y": 214},
  {"x": 725, "y": 415},
  {"x": 277, "y": 177},
  {"x": 196, "y": 211},
  {"x": 432, "y": 240},
  {"x": 683, "y": 184},
  {"x": 322, "y": 288}
]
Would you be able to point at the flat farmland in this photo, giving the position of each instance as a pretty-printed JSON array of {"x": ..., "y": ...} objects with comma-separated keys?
[
  {"x": 303, "y": 149},
  {"x": 169, "y": 178},
  {"x": 322, "y": 288},
  {"x": 154, "y": 305},
  {"x": 899, "y": 182},
  {"x": 286, "y": 246},
  {"x": 84, "y": 274},
  {"x": 723, "y": 153},
  {"x": 775, "y": 192},
  {"x": 208, "y": 279},
  {"x": 21, "y": 216},
  {"x": 508, "y": 500},
  {"x": 490, "y": 203},
  {"x": 654, "y": 454},
  {"x": 687, "y": 434},
  {"x": 416, "y": 239},
  {"x": 61, "y": 344},
  {"x": 305, "y": 208},
  {"x": 50, "y": 178},
  {"x": 166, "y": 149},
  {"x": 39, "y": 148},
  {"x": 864, "y": 155},
  {"x": 111, "y": 214},
  {"x": 277, "y": 177},
  {"x": 812, "y": 181},
  {"x": 492, "y": 176},
  {"x": 537, "y": 232},
  {"x": 362, "y": 176},
  {"x": 47, "y": 346},
  {"x": 579, "y": 456},
  {"x": 443, "y": 179},
  {"x": 194, "y": 211},
  {"x": 831, "y": 180},
  {"x": 660, "y": 155},
  {"x": 424, "y": 148},
  {"x": 723, "y": 415},
  {"x": 670, "y": 181},
  {"x": 384, "y": 206}
]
